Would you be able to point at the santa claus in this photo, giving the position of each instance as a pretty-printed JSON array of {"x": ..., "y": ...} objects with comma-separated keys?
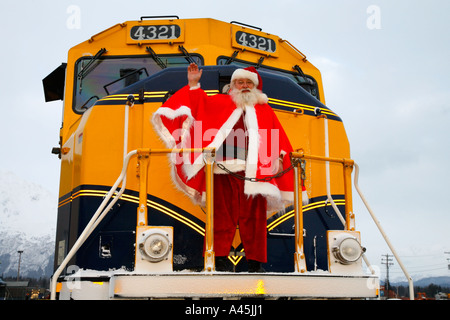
[{"x": 251, "y": 150}]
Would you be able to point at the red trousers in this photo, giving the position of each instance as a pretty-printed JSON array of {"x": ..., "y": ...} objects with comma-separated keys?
[{"x": 232, "y": 208}]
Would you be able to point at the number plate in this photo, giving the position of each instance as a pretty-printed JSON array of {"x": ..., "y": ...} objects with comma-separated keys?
[
  {"x": 155, "y": 33},
  {"x": 252, "y": 41}
]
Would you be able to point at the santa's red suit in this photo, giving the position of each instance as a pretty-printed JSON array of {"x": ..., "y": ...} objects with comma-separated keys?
[{"x": 191, "y": 119}]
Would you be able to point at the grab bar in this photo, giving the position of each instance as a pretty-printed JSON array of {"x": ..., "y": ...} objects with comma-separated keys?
[
  {"x": 95, "y": 220},
  {"x": 405, "y": 272}
]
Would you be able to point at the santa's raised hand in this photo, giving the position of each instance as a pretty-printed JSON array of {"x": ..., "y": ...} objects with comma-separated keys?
[{"x": 194, "y": 75}]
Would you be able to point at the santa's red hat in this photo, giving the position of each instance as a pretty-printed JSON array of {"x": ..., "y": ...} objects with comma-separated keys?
[{"x": 248, "y": 73}]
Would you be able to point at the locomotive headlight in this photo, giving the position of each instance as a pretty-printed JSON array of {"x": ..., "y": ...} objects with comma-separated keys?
[
  {"x": 154, "y": 249},
  {"x": 345, "y": 252},
  {"x": 348, "y": 250},
  {"x": 155, "y": 246}
]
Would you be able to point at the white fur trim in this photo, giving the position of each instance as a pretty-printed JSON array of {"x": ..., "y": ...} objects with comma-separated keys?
[
  {"x": 172, "y": 114},
  {"x": 245, "y": 74},
  {"x": 195, "y": 87},
  {"x": 251, "y": 187},
  {"x": 276, "y": 199},
  {"x": 251, "y": 122},
  {"x": 287, "y": 196},
  {"x": 165, "y": 135},
  {"x": 233, "y": 165}
]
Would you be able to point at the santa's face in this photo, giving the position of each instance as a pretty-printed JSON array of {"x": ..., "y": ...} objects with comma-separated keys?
[
  {"x": 244, "y": 85},
  {"x": 244, "y": 97}
]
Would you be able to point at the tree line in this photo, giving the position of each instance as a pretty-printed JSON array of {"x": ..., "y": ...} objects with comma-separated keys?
[{"x": 429, "y": 291}]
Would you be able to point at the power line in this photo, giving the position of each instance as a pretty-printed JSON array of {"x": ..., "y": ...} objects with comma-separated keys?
[
  {"x": 448, "y": 260},
  {"x": 419, "y": 256},
  {"x": 426, "y": 266},
  {"x": 418, "y": 271},
  {"x": 432, "y": 265}
]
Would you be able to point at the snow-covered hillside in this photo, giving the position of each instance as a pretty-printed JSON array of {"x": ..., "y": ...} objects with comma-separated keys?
[{"x": 27, "y": 222}]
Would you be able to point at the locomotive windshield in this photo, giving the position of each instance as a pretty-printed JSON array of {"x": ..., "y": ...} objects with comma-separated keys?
[
  {"x": 96, "y": 78},
  {"x": 306, "y": 82}
]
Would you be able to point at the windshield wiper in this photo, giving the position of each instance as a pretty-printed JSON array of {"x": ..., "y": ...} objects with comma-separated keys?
[
  {"x": 157, "y": 59},
  {"x": 85, "y": 70},
  {"x": 307, "y": 81},
  {"x": 232, "y": 58},
  {"x": 186, "y": 54}
]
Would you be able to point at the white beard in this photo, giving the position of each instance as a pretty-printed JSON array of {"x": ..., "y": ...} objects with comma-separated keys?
[{"x": 244, "y": 97}]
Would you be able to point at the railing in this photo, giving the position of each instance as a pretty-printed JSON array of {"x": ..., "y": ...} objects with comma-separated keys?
[
  {"x": 95, "y": 220},
  {"x": 402, "y": 266},
  {"x": 143, "y": 162},
  {"x": 144, "y": 156},
  {"x": 349, "y": 221},
  {"x": 209, "y": 155},
  {"x": 142, "y": 220}
]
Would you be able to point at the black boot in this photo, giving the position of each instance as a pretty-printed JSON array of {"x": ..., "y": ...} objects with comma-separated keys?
[
  {"x": 255, "y": 266},
  {"x": 223, "y": 264}
]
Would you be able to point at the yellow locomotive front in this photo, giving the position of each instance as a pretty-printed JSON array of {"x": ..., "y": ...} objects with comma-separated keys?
[{"x": 121, "y": 220}]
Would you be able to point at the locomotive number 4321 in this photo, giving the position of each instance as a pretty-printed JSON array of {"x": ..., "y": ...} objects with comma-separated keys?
[
  {"x": 157, "y": 32},
  {"x": 255, "y": 42}
]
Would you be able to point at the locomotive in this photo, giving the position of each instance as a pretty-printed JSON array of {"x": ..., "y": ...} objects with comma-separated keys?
[{"x": 125, "y": 231}]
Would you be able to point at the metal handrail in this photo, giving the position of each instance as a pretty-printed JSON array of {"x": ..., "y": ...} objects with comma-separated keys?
[
  {"x": 299, "y": 257},
  {"x": 348, "y": 164},
  {"x": 405, "y": 272},
  {"x": 102, "y": 211},
  {"x": 95, "y": 220},
  {"x": 348, "y": 221}
]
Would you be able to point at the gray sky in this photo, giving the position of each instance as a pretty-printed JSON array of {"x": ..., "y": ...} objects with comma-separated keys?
[{"x": 385, "y": 66}]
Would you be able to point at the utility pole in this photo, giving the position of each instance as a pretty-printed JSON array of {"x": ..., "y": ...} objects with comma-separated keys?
[
  {"x": 18, "y": 268},
  {"x": 387, "y": 260}
]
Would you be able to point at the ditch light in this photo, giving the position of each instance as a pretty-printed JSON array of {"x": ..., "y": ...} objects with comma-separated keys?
[
  {"x": 344, "y": 252},
  {"x": 154, "y": 252}
]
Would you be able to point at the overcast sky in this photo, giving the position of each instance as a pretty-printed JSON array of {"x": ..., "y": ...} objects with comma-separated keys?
[{"x": 385, "y": 66}]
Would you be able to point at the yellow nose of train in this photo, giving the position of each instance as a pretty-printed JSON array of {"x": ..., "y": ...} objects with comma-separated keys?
[{"x": 121, "y": 217}]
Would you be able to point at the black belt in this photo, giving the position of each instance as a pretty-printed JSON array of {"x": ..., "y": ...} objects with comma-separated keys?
[{"x": 231, "y": 152}]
